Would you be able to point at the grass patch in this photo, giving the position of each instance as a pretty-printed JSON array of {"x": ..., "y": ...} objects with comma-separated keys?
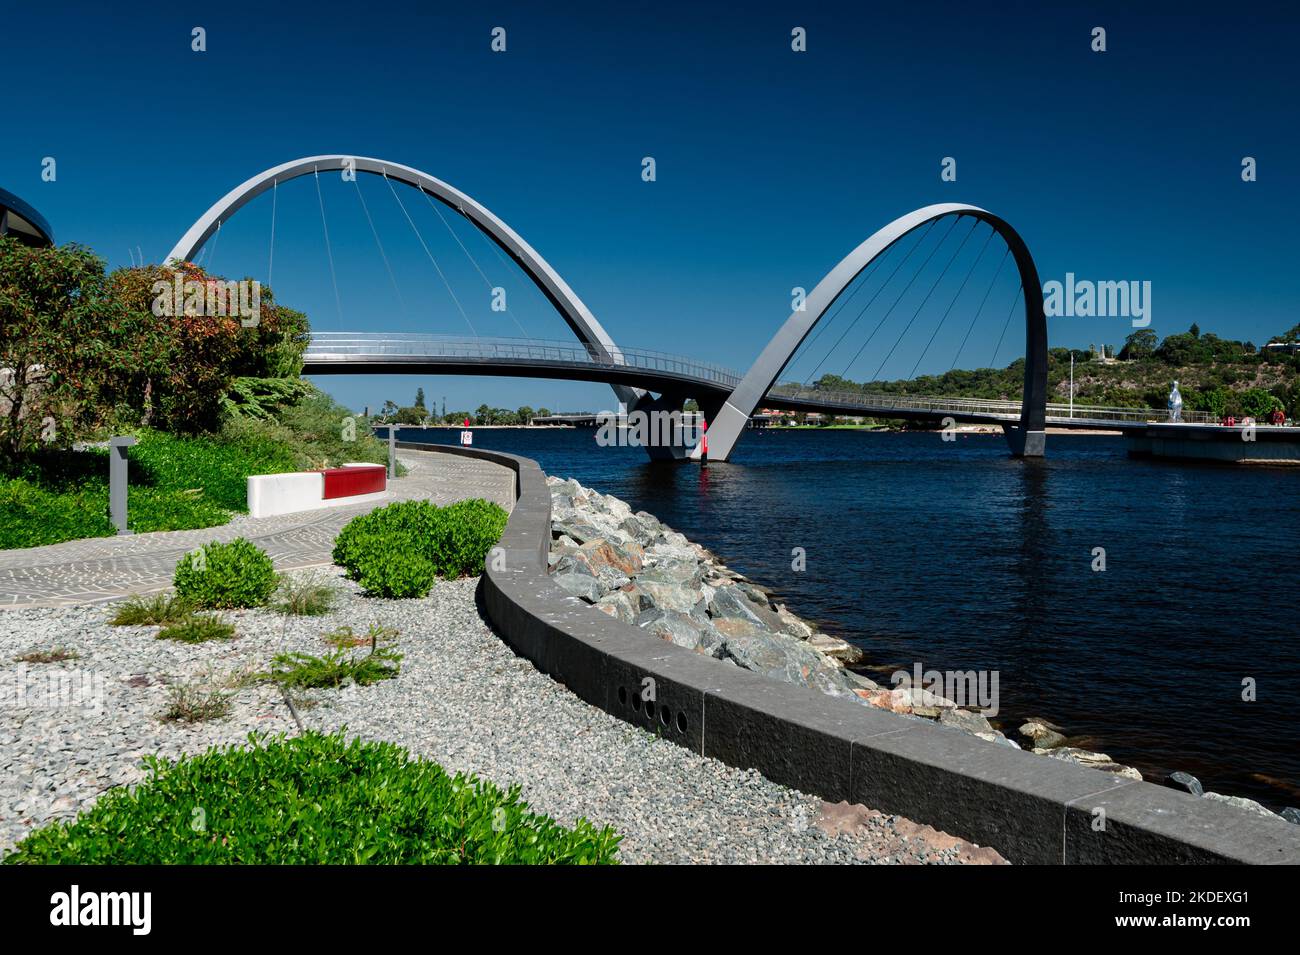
[
  {"x": 193, "y": 703},
  {"x": 303, "y": 597},
  {"x": 311, "y": 800},
  {"x": 199, "y": 628},
  {"x": 345, "y": 636},
  {"x": 160, "y": 610},
  {"x": 178, "y": 482},
  {"x": 57, "y": 655},
  {"x": 306, "y": 672}
]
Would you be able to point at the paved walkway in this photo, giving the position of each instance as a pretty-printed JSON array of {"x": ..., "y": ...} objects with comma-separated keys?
[{"x": 106, "y": 568}]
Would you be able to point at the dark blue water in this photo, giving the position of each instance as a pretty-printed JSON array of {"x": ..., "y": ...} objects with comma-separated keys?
[{"x": 960, "y": 557}]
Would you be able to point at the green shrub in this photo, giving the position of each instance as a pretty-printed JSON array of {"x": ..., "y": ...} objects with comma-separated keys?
[
  {"x": 237, "y": 574},
  {"x": 158, "y": 610},
  {"x": 398, "y": 550},
  {"x": 310, "y": 800},
  {"x": 199, "y": 628},
  {"x": 464, "y": 534}
]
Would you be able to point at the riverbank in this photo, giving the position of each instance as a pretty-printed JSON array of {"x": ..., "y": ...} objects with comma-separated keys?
[{"x": 634, "y": 568}]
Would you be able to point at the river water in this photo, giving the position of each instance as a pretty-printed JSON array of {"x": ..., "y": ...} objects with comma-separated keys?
[{"x": 956, "y": 556}]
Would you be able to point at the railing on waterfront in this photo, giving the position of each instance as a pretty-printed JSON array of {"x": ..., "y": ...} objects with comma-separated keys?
[
  {"x": 334, "y": 346},
  {"x": 326, "y": 347}
]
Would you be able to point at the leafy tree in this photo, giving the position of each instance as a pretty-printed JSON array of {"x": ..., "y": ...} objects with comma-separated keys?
[
  {"x": 65, "y": 344},
  {"x": 524, "y": 415},
  {"x": 1140, "y": 345},
  {"x": 419, "y": 398}
]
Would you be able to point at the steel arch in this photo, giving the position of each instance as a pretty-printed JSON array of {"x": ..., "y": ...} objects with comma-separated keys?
[
  {"x": 1027, "y": 439},
  {"x": 571, "y": 308}
]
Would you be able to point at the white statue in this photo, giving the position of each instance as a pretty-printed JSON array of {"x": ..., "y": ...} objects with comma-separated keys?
[{"x": 1175, "y": 403}]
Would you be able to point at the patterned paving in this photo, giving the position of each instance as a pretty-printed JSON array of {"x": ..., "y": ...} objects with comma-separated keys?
[{"x": 105, "y": 568}]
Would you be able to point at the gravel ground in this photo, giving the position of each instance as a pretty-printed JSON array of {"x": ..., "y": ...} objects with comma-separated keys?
[{"x": 463, "y": 698}]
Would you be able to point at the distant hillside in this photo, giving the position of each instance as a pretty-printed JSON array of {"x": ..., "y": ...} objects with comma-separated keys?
[{"x": 1214, "y": 374}]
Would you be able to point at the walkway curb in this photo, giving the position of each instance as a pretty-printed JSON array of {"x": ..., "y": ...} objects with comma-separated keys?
[{"x": 1030, "y": 808}]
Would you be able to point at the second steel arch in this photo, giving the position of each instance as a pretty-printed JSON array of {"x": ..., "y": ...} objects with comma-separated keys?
[{"x": 1026, "y": 439}]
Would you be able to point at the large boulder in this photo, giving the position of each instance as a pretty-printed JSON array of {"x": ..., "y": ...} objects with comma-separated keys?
[
  {"x": 680, "y": 629},
  {"x": 1083, "y": 757},
  {"x": 667, "y": 596},
  {"x": 619, "y": 604},
  {"x": 1241, "y": 802},
  {"x": 784, "y": 659},
  {"x": 1042, "y": 735},
  {"x": 624, "y": 557}
]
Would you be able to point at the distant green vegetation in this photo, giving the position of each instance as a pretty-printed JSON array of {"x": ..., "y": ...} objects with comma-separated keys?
[
  {"x": 83, "y": 357},
  {"x": 311, "y": 800},
  {"x": 1216, "y": 375}
]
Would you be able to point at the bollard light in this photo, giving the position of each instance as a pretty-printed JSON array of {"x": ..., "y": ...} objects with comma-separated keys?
[{"x": 117, "y": 481}]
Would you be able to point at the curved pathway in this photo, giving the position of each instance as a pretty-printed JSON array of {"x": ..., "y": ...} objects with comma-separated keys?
[{"x": 105, "y": 568}]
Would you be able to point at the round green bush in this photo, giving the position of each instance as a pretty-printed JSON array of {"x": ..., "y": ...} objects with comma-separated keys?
[
  {"x": 310, "y": 800},
  {"x": 218, "y": 576},
  {"x": 398, "y": 550}
]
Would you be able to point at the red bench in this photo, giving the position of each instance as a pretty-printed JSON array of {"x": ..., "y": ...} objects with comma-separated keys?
[{"x": 348, "y": 482}]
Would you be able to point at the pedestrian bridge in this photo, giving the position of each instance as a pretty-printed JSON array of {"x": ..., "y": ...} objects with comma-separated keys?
[{"x": 360, "y": 353}]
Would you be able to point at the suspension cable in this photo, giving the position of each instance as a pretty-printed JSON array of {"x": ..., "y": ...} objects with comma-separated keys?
[
  {"x": 436, "y": 266},
  {"x": 906, "y": 288},
  {"x": 338, "y": 303},
  {"x": 486, "y": 281},
  {"x": 373, "y": 231},
  {"x": 824, "y": 323},
  {"x": 1005, "y": 325},
  {"x": 899, "y": 340},
  {"x": 978, "y": 311},
  {"x": 951, "y": 304},
  {"x": 863, "y": 311}
]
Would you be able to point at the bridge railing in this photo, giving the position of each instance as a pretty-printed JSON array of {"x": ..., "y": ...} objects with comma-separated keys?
[
  {"x": 882, "y": 402},
  {"x": 326, "y": 346}
]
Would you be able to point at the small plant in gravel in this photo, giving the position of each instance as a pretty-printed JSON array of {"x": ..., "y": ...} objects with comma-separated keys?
[
  {"x": 220, "y": 576},
  {"x": 303, "y": 596},
  {"x": 399, "y": 550},
  {"x": 199, "y": 628},
  {"x": 345, "y": 636},
  {"x": 310, "y": 800},
  {"x": 304, "y": 671},
  {"x": 57, "y": 655},
  {"x": 194, "y": 703},
  {"x": 158, "y": 610}
]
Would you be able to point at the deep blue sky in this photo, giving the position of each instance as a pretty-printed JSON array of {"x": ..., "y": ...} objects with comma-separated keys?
[{"x": 771, "y": 165}]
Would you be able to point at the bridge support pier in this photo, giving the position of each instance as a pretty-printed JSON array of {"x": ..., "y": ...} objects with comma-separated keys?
[
  {"x": 669, "y": 403},
  {"x": 1025, "y": 443}
]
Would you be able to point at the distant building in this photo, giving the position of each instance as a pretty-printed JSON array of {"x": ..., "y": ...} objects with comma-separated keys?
[
  {"x": 20, "y": 221},
  {"x": 1282, "y": 348}
]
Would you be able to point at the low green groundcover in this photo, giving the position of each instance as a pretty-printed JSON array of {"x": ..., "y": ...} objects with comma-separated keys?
[
  {"x": 398, "y": 550},
  {"x": 313, "y": 799}
]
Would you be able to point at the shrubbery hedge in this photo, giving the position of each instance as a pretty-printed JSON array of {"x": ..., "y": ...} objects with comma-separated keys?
[
  {"x": 398, "y": 550},
  {"x": 218, "y": 576},
  {"x": 310, "y": 800}
]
